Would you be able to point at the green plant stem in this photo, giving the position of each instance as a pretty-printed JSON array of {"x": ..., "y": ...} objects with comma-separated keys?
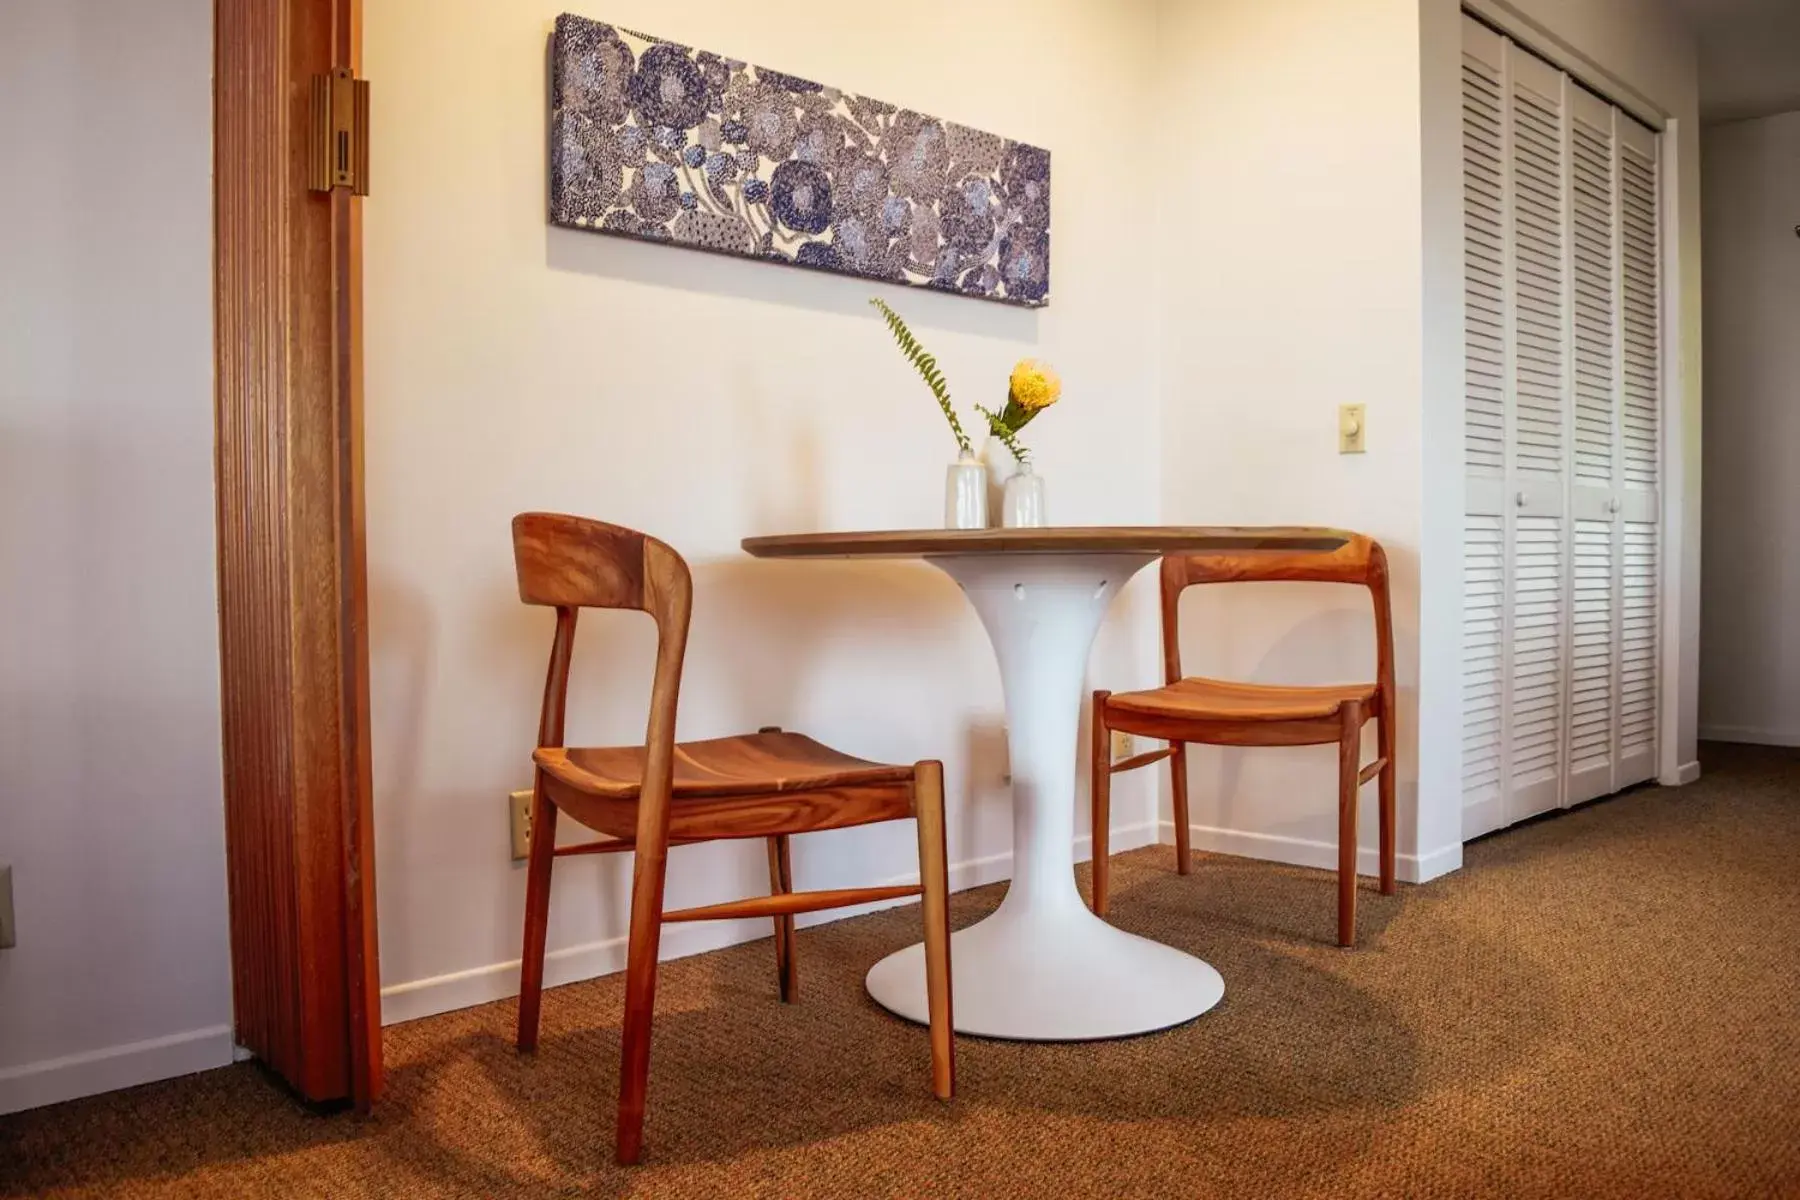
[
  {"x": 1008, "y": 436},
  {"x": 926, "y": 365}
]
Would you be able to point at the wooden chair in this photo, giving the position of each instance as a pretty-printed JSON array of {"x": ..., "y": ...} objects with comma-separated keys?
[
  {"x": 1218, "y": 712},
  {"x": 768, "y": 785}
]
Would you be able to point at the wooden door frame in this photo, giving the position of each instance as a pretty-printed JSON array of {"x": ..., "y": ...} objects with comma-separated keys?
[{"x": 293, "y": 611}]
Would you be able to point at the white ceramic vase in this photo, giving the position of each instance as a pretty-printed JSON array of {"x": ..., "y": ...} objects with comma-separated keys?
[
  {"x": 966, "y": 494},
  {"x": 1001, "y": 466},
  {"x": 1023, "y": 504}
]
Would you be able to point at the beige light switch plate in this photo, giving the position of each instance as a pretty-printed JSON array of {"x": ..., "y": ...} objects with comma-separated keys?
[
  {"x": 518, "y": 806},
  {"x": 9, "y": 931},
  {"x": 1351, "y": 424}
]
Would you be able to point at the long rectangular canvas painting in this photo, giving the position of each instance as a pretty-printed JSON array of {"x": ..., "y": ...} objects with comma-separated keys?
[{"x": 650, "y": 139}]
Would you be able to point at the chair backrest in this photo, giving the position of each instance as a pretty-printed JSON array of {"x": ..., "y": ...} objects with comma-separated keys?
[
  {"x": 570, "y": 563},
  {"x": 1360, "y": 560}
]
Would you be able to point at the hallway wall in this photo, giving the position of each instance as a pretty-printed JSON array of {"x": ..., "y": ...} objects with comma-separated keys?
[{"x": 1750, "y": 644}]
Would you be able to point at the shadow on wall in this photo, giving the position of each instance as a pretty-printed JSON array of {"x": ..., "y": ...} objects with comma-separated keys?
[
  {"x": 623, "y": 258},
  {"x": 1328, "y": 637},
  {"x": 789, "y": 621},
  {"x": 767, "y": 647},
  {"x": 403, "y": 636}
]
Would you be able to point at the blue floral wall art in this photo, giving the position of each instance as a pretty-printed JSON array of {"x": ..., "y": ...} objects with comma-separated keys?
[{"x": 653, "y": 140}]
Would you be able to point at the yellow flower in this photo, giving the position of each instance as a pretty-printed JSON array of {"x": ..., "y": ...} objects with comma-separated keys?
[{"x": 1034, "y": 386}]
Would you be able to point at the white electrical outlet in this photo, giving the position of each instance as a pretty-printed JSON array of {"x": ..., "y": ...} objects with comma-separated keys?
[
  {"x": 9, "y": 930},
  {"x": 1121, "y": 745},
  {"x": 518, "y": 807}
]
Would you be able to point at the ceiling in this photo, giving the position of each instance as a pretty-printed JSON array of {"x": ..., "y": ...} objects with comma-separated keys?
[{"x": 1749, "y": 56}]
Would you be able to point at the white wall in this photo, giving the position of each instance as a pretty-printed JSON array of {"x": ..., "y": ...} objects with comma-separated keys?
[
  {"x": 1291, "y": 228},
  {"x": 1314, "y": 240},
  {"x": 1749, "y": 57},
  {"x": 1750, "y": 660},
  {"x": 512, "y": 366},
  {"x": 1642, "y": 55},
  {"x": 111, "y": 809}
]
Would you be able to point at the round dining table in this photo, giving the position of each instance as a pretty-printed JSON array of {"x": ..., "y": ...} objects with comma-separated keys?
[{"x": 1042, "y": 967}]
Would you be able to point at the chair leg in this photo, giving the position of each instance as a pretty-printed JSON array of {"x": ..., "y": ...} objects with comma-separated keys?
[
  {"x": 640, "y": 995},
  {"x": 934, "y": 878},
  {"x": 1178, "y": 791},
  {"x": 781, "y": 882},
  {"x": 1100, "y": 796},
  {"x": 1386, "y": 782},
  {"x": 537, "y": 913},
  {"x": 1349, "y": 767}
]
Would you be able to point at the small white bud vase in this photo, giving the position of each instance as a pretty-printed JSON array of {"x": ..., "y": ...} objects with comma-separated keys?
[
  {"x": 1023, "y": 507},
  {"x": 966, "y": 494},
  {"x": 1001, "y": 466}
]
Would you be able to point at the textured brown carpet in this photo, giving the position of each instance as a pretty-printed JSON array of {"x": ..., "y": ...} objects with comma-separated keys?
[{"x": 1600, "y": 1004}]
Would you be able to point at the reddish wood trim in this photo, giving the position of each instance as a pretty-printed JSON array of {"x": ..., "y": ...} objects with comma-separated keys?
[
  {"x": 1219, "y": 713},
  {"x": 709, "y": 818},
  {"x": 1100, "y": 773},
  {"x": 790, "y": 903},
  {"x": 362, "y": 938},
  {"x": 1122, "y": 539},
  {"x": 1142, "y": 760},
  {"x": 611, "y": 845},
  {"x": 781, "y": 882},
  {"x": 768, "y": 784},
  {"x": 934, "y": 883},
  {"x": 1223, "y": 732},
  {"x": 540, "y": 859},
  {"x": 1349, "y": 755},
  {"x": 293, "y": 624}
]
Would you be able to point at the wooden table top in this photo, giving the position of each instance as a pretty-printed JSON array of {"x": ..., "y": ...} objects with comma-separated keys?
[{"x": 1102, "y": 539}]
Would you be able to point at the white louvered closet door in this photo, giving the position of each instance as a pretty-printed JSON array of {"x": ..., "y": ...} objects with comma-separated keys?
[
  {"x": 1638, "y": 483},
  {"x": 1561, "y": 443}
]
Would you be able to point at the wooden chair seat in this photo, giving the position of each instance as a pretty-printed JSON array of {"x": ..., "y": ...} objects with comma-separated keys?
[
  {"x": 1226, "y": 712},
  {"x": 642, "y": 800},
  {"x": 750, "y": 785},
  {"x": 1229, "y": 700},
  {"x": 749, "y": 764}
]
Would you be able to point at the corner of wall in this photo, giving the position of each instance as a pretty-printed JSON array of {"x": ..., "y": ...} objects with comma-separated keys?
[{"x": 1439, "y": 806}]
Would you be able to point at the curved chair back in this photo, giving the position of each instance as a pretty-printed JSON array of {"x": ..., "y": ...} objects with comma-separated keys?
[
  {"x": 570, "y": 563},
  {"x": 1360, "y": 560}
]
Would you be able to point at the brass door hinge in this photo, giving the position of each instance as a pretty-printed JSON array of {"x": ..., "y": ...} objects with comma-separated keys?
[{"x": 340, "y": 133}]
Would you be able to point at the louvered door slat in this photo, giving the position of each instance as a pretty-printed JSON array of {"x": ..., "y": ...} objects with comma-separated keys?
[
  {"x": 1562, "y": 438},
  {"x": 1640, "y": 620},
  {"x": 1535, "y": 709},
  {"x": 1642, "y": 400},
  {"x": 1538, "y": 233},
  {"x": 1592, "y": 662},
  {"x": 1594, "y": 314},
  {"x": 1484, "y": 286},
  {"x": 1638, "y": 494},
  {"x": 1483, "y": 643}
]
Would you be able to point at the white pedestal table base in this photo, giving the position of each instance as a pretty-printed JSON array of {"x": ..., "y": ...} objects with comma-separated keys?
[{"x": 1042, "y": 967}]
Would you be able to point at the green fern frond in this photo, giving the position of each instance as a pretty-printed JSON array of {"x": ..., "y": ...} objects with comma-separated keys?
[
  {"x": 926, "y": 364},
  {"x": 1009, "y": 437}
]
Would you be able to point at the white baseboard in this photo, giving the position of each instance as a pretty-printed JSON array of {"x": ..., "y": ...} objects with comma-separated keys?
[
  {"x": 1305, "y": 852},
  {"x": 570, "y": 964},
  {"x": 54, "y": 1080},
  {"x": 1687, "y": 772},
  {"x": 1753, "y": 734}
]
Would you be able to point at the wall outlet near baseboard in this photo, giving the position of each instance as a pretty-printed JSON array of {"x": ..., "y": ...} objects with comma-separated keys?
[
  {"x": 518, "y": 807},
  {"x": 9, "y": 930},
  {"x": 1121, "y": 745}
]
